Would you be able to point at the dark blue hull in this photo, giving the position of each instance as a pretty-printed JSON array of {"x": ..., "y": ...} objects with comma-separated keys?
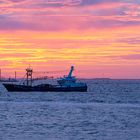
[{"x": 43, "y": 88}]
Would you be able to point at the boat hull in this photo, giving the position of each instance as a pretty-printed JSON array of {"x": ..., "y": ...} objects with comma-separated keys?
[{"x": 43, "y": 88}]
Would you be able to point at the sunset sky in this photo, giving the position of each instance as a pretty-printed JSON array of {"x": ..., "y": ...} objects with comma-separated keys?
[{"x": 101, "y": 38}]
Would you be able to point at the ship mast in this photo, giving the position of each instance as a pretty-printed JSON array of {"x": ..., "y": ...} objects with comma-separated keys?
[
  {"x": 15, "y": 75},
  {"x": 0, "y": 75},
  {"x": 29, "y": 73}
]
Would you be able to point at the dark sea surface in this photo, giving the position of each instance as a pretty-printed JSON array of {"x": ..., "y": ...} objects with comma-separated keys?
[{"x": 110, "y": 110}]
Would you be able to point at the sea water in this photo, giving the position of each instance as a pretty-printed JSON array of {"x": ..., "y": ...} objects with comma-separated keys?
[{"x": 110, "y": 110}]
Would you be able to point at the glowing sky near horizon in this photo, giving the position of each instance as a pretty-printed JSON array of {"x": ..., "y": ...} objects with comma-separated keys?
[{"x": 101, "y": 38}]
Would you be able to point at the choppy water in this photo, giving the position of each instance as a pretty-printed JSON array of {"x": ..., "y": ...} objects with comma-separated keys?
[{"x": 110, "y": 110}]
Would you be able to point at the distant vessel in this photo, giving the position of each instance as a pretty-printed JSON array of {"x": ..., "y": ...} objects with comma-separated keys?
[{"x": 65, "y": 84}]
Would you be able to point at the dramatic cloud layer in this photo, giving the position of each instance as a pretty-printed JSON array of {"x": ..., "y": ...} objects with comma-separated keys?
[{"x": 100, "y": 37}]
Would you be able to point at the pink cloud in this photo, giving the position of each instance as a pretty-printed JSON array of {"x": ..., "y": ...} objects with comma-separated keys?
[{"x": 31, "y": 15}]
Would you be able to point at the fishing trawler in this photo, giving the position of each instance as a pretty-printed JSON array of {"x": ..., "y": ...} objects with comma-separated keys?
[{"x": 65, "y": 84}]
